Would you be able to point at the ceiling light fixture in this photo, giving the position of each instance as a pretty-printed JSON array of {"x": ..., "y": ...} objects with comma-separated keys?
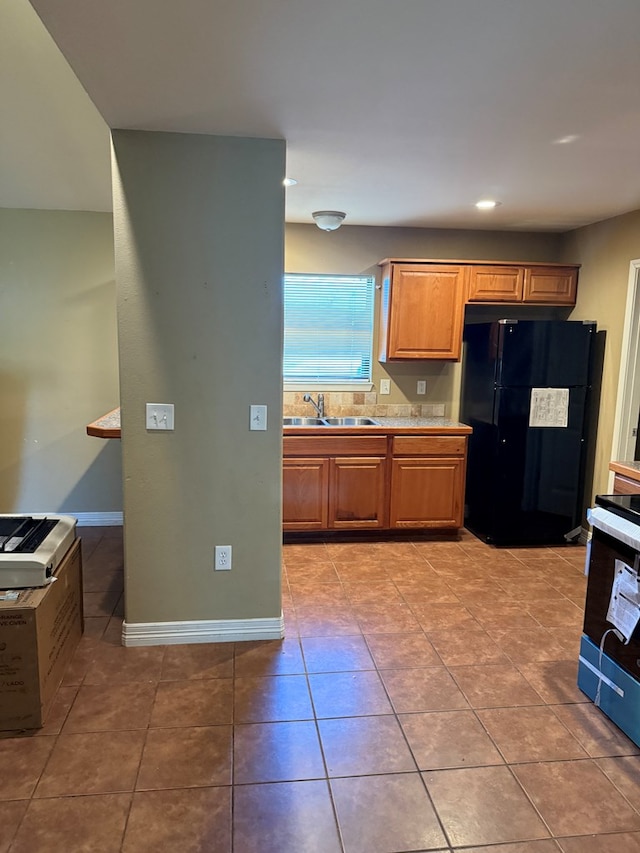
[
  {"x": 566, "y": 140},
  {"x": 289, "y": 182},
  {"x": 328, "y": 220},
  {"x": 487, "y": 204}
]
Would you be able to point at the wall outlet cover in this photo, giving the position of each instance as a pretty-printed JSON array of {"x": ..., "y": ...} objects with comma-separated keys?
[{"x": 385, "y": 386}]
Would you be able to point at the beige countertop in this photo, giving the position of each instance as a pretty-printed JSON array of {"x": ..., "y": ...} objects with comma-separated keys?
[{"x": 108, "y": 426}]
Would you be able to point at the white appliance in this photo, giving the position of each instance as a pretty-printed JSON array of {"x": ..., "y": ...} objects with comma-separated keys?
[{"x": 32, "y": 547}]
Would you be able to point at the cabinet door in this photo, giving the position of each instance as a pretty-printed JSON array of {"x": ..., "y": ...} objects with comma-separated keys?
[
  {"x": 495, "y": 284},
  {"x": 427, "y": 492},
  {"x": 357, "y": 492},
  {"x": 625, "y": 486},
  {"x": 305, "y": 491},
  {"x": 422, "y": 308},
  {"x": 551, "y": 285}
]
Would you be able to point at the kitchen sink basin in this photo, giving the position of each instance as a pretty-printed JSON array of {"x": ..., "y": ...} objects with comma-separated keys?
[
  {"x": 303, "y": 422},
  {"x": 351, "y": 422}
]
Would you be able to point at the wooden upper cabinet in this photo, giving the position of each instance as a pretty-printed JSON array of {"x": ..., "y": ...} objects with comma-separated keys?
[
  {"x": 550, "y": 285},
  {"x": 422, "y": 311},
  {"x": 496, "y": 284}
]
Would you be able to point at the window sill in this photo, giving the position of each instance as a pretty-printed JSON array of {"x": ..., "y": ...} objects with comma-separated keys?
[{"x": 327, "y": 387}]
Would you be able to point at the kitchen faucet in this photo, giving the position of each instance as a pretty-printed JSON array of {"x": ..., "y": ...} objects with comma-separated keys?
[{"x": 319, "y": 406}]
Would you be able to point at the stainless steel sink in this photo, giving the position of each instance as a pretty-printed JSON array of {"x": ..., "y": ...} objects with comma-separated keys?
[
  {"x": 351, "y": 422},
  {"x": 303, "y": 422}
]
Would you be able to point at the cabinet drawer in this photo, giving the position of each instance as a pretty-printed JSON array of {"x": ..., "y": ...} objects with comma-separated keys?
[
  {"x": 336, "y": 445},
  {"x": 429, "y": 445},
  {"x": 625, "y": 486},
  {"x": 496, "y": 284}
]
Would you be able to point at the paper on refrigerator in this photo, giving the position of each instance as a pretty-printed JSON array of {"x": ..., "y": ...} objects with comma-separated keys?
[{"x": 549, "y": 407}]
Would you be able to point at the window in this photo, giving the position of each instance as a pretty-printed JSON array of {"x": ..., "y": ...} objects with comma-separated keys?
[{"x": 328, "y": 328}]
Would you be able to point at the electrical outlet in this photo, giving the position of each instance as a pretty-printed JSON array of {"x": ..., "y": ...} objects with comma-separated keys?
[
  {"x": 385, "y": 386},
  {"x": 222, "y": 560},
  {"x": 421, "y": 387}
]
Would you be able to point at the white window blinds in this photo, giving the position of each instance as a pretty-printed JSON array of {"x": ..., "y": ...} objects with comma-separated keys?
[{"x": 328, "y": 328}]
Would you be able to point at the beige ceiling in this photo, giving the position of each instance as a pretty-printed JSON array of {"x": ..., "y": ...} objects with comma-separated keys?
[{"x": 399, "y": 112}]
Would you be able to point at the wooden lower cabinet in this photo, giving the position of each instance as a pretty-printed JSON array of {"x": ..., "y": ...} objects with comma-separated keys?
[
  {"x": 305, "y": 484},
  {"x": 427, "y": 492},
  {"x": 333, "y": 493},
  {"x": 357, "y": 493},
  {"x": 373, "y": 482},
  {"x": 427, "y": 481}
]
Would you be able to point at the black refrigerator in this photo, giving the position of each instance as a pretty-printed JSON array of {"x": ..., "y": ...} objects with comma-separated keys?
[{"x": 526, "y": 389}]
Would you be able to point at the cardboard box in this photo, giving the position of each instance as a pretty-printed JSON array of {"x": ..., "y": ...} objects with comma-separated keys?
[{"x": 39, "y": 633}]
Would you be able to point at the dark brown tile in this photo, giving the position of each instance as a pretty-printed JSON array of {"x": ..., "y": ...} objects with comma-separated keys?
[
  {"x": 623, "y": 842},
  {"x": 386, "y": 619},
  {"x": 483, "y": 805},
  {"x": 119, "y": 664},
  {"x": 100, "y": 603},
  {"x": 555, "y": 681},
  {"x": 576, "y": 798},
  {"x": 348, "y": 694},
  {"x": 445, "y": 739},
  {"x": 556, "y": 614},
  {"x": 197, "y": 660},
  {"x": 545, "y": 845},
  {"x": 24, "y": 760},
  {"x": 196, "y": 819},
  {"x": 201, "y": 702},
  {"x": 433, "y": 617},
  {"x": 352, "y": 552},
  {"x": 305, "y": 554},
  {"x": 320, "y": 594},
  {"x": 326, "y": 621},
  {"x": 424, "y": 689},
  {"x": 494, "y": 686},
  {"x": 11, "y": 813},
  {"x": 372, "y": 592},
  {"x": 527, "y": 645},
  {"x": 58, "y": 711},
  {"x": 336, "y": 654},
  {"x": 73, "y": 769},
  {"x": 272, "y": 699},
  {"x": 100, "y": 708},
  {"x": 382, "y": 813},
  {"x": 625, "y": 774},
  {"x": 192, "y": 757},
  {"x": 313, "y": 572},
  {"x": 355, "y": 746},
  {"x": 284, "y": 817},
  {"x": 81, "y": 824},
  {"x": 530, "y": 734},
  {"x": 427, "y": 592},
  {"x": 269, "y": 657},
  {"x": 277, "y": 752},
  {"x": 595, "y": 732},
  {"x": 461, "y": 648},
  {"x": 363, "y": 571},
  {"x": 393, "y": 651},
  {"x": 527, "y": 591}
]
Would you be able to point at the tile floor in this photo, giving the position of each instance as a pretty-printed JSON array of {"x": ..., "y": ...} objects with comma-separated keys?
[{"x": 424, "y": 699}]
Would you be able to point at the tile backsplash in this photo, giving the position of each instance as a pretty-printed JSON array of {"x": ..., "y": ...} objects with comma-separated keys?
[{"x": 344, "y": 403}]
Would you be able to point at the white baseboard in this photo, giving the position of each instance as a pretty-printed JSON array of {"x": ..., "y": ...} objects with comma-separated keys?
[
  {"x": 206, "y": 631},
  {"x": 98, "y": 519}
]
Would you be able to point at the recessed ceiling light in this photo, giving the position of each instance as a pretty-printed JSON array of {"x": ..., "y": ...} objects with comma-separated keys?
[
  {"x": 566, "y": 140},
  {"x": 289, "y": 182},
  {"x": 487, "y": 204}
]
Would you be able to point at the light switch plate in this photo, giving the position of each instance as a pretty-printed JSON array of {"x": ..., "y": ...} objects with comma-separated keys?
[
  {"x": 385, "y": 386},
  {"x": 160, "y": 416},
  {"x": 258, "y": 417},
  {"x": 421, "y": 387}
]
